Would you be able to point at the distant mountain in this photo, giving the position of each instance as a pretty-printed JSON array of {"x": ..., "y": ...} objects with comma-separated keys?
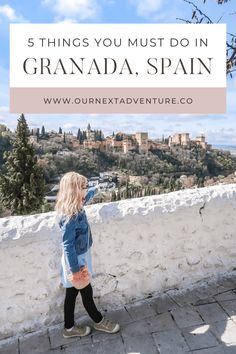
[{"x": 225, "y": 147}]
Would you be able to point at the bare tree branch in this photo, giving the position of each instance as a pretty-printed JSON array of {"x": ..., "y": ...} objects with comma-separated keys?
[
  {"x": 198, "y": 16},
  {"x": 198, "y": 10},
  {"x": 183, "y": 20}
]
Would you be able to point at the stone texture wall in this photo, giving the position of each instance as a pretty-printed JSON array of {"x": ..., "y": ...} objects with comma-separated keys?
[{"x": 141, "y": 246}]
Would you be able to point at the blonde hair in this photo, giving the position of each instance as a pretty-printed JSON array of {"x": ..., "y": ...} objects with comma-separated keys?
[{"x": 69, "y": 198}]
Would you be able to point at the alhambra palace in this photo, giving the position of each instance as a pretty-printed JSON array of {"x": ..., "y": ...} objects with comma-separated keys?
[{"x": 122, "y": 142}]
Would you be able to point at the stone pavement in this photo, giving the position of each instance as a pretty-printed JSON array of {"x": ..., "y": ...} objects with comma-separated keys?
[{"x": 202, "y": 320}]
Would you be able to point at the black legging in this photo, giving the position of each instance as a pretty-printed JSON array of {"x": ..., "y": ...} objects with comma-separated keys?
[{"x": 87, "y": 299}]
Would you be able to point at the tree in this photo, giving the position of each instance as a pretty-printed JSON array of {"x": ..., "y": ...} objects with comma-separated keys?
[
  {"x": 118, "y": 137},
  {"x": 118, "y": 196},
  {"x": 198, "y": 16},
  {"x": 5, "y": 145},
  {"x": 43, "y": 131},
  {"x": 127, "y": 189},
  {"x": 113, "y": 196},
  {"x": 37, "y": 134},
  {"x": 22, "y": 183}
]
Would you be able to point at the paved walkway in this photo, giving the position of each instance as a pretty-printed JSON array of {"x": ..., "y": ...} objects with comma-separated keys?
[{"x": 199, "y": 321}]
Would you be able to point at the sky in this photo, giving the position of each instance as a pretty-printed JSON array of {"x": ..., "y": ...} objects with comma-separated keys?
[{"x": 219, "y": 129}]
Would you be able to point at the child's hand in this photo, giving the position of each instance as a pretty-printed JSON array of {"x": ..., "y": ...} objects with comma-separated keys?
[
  {"x": 75, "y": 277},
  {"x": 80, "y": 279}
]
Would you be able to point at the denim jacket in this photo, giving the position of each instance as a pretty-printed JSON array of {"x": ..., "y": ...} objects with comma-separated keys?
[{"x": 76, "y": 234}]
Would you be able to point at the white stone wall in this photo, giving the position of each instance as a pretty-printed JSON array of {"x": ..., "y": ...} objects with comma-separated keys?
[{"x": 141, "y": 246}]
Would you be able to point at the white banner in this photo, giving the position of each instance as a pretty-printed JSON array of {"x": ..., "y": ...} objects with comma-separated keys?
[{"x": 117, "y": 55}]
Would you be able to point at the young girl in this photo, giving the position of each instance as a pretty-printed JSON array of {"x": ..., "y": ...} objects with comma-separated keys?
[{"x": 77, "y": 240}]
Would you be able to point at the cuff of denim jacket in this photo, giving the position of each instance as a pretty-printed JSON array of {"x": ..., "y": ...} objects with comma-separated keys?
[{"x": 75, "y": 269}]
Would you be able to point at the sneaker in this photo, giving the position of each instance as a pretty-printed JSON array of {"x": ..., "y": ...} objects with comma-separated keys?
[
  {"x": 77, "y": 331},
  {"x": 107, "y": 326}
]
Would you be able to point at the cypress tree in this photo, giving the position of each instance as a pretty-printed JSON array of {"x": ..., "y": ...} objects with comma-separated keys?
[
  {"x": 127, "y": 189},
  {"x": 118, "y": 196},
  {"x": 22, "y": 183},
  {"x": 113, "y": 196},
  {"x": 37, "y": 134},
  {"x": 43, "y": 131}
]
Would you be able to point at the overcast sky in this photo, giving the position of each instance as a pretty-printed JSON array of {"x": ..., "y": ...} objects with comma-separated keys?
[{"x": 219, "y": 129}]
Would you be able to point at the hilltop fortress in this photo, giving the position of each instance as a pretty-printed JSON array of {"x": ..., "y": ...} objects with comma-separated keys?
[
  {"x": 139, "y": 141},
  {"x": 122, "y": 142}
]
